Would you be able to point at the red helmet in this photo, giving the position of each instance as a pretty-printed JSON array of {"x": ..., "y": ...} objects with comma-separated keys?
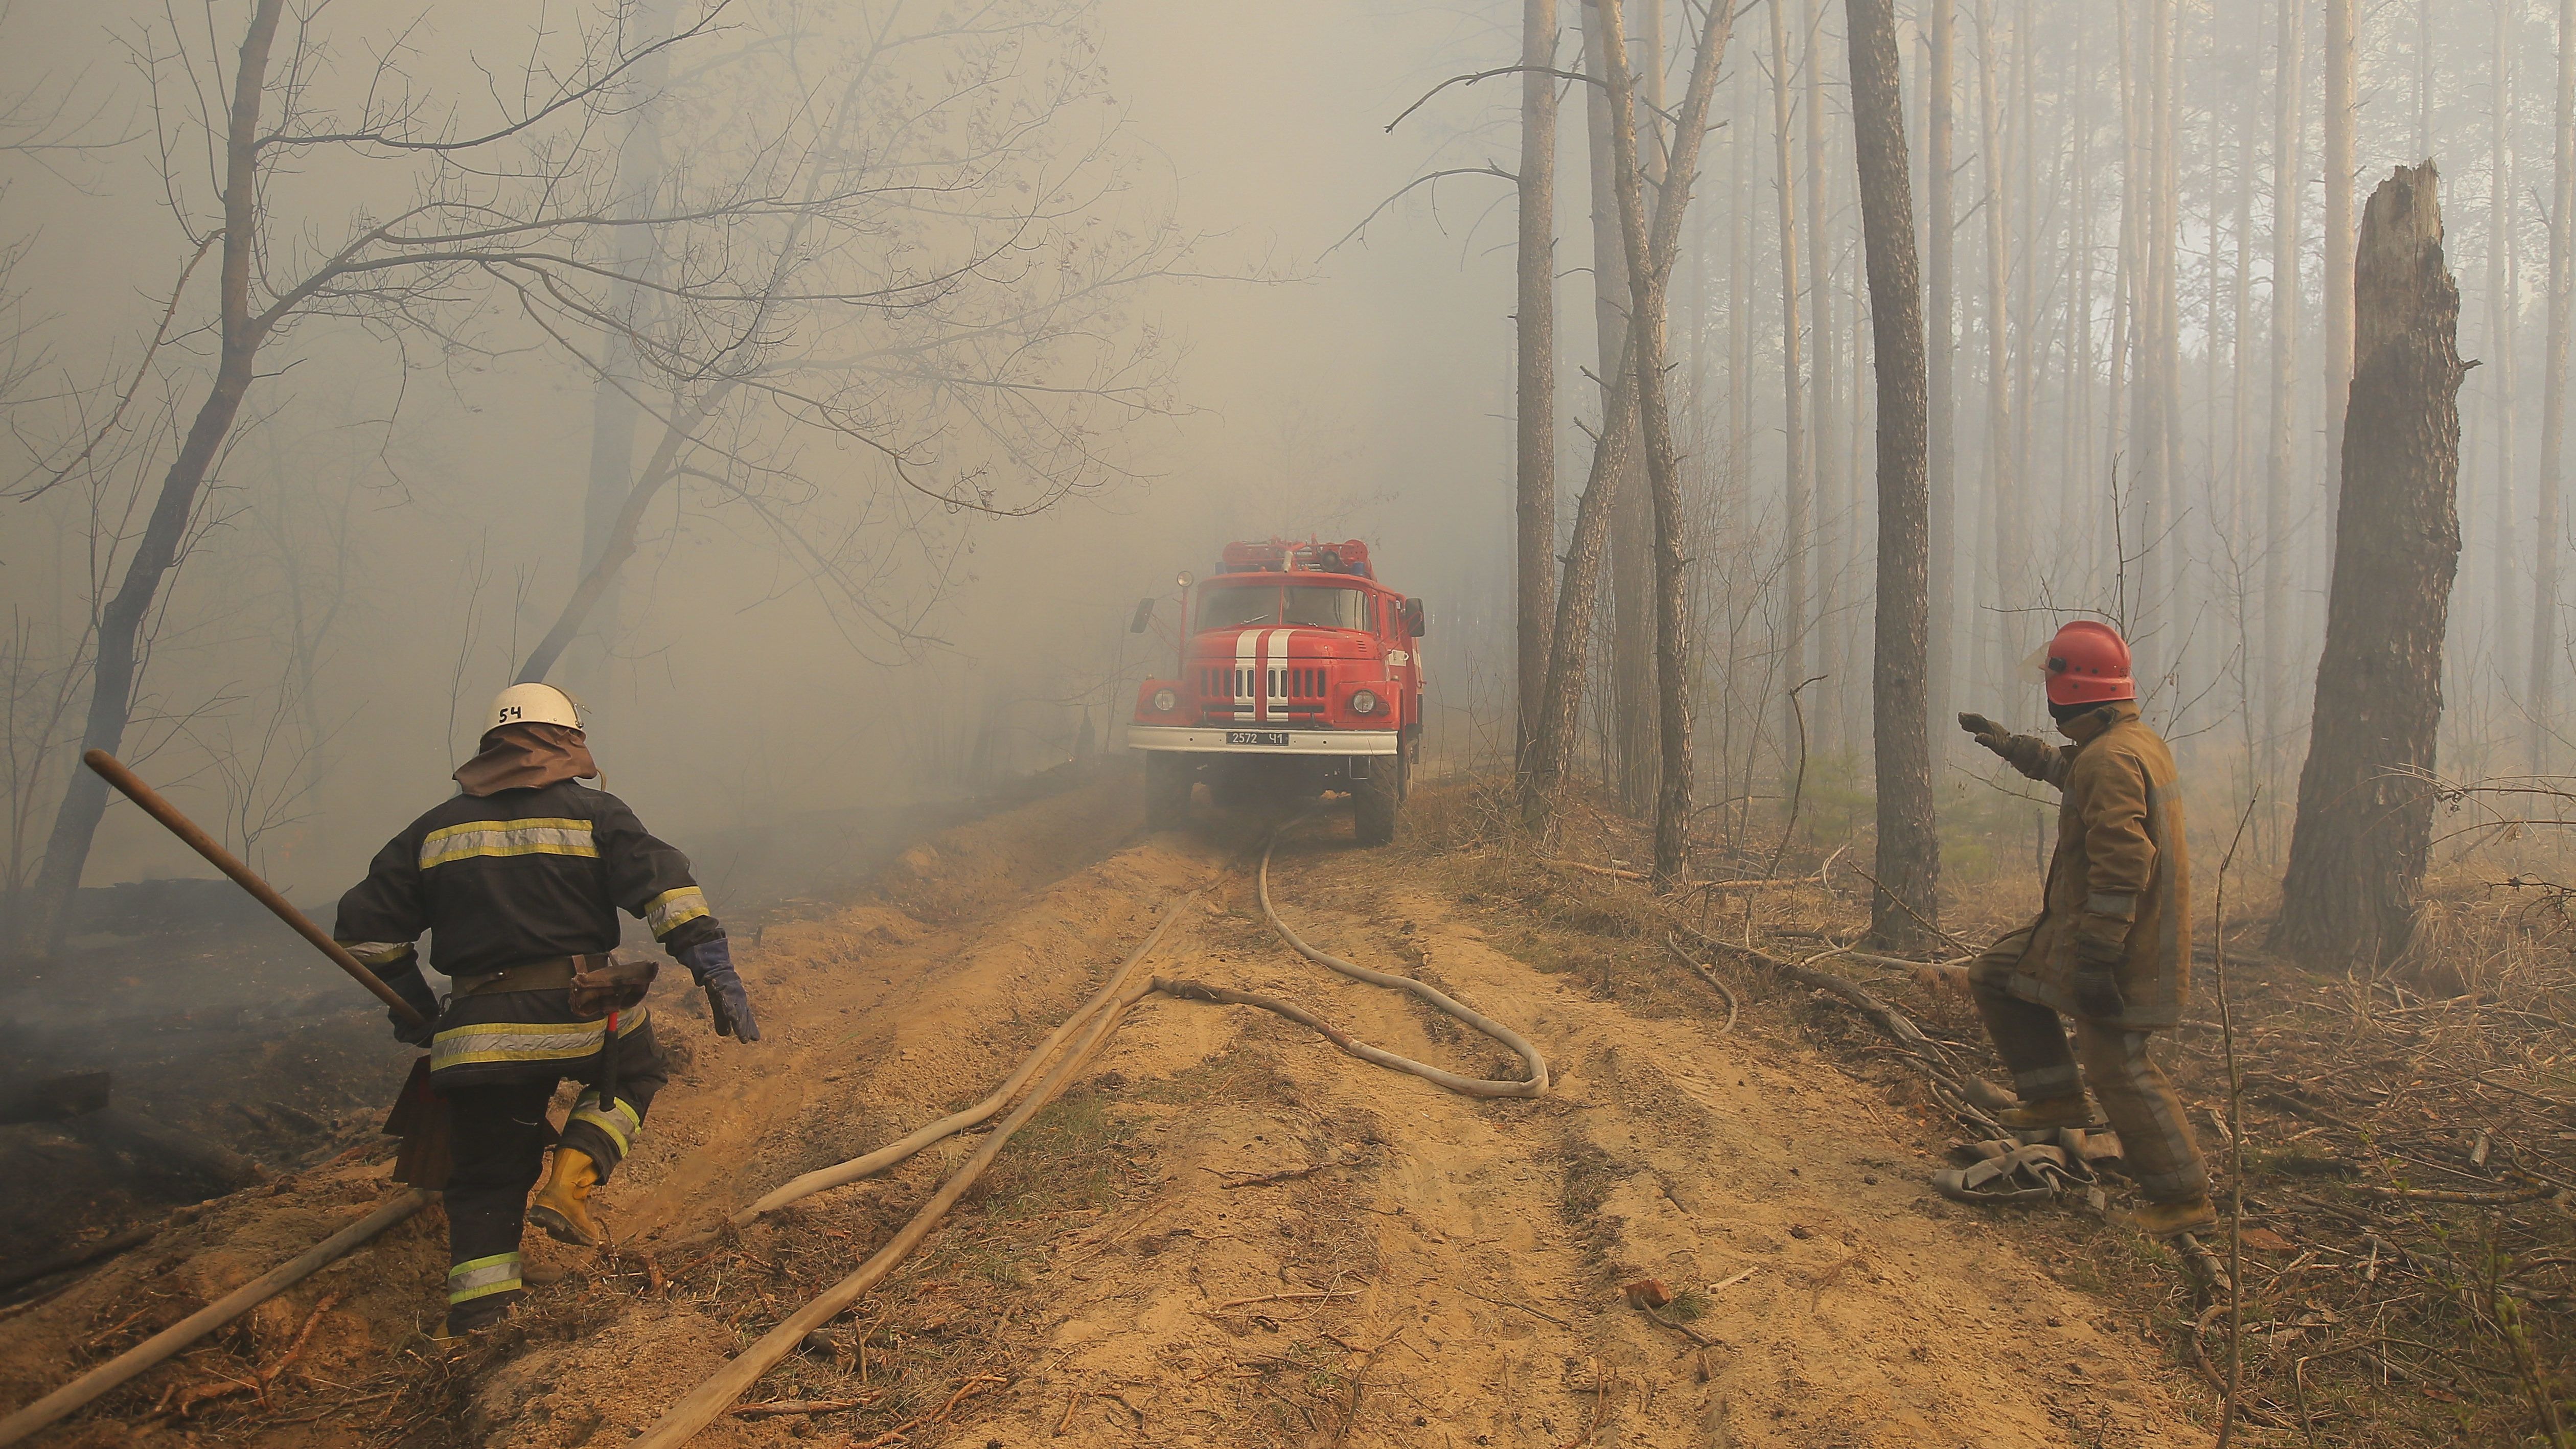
[{"x": 2088, "y": 663}]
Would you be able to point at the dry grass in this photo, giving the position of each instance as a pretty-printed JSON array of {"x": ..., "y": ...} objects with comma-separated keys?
[{"x": 2371, "y": 1317}]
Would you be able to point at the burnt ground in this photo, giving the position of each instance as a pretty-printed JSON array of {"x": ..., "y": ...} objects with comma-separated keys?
[{"x": 238, "y": 1053}]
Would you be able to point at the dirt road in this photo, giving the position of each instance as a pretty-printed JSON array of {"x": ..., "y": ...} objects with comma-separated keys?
[{"x": 1445, "y": 1274}]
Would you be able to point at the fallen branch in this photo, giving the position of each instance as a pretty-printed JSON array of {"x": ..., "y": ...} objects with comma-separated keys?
[
  {"x": 1267, "y": 1178},
  {"x": 2444, "y": 1194},
  {"x": 1314, "y": 1297},
  {"x": 1523, "y": 1307},
  {"x": 145, "y": 1355},
  {"x": 1704, "y": 974},
  {"x": 802, "y": 1406}
]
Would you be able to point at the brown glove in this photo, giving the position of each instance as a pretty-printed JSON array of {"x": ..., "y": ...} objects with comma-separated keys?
[
  {"x": 1988, "y": 733},
  {"x": 2097, "y": 973}
]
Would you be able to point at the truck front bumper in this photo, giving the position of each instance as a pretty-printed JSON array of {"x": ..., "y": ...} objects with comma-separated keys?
[{"x": 1259, "y": 740}]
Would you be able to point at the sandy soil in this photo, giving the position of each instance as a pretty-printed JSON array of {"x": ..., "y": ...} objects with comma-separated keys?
[{"x": 1447, "y": 1274}]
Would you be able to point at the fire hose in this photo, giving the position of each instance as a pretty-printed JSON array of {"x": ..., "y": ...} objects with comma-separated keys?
[
  {"x": 1092, "y": 1022},
  {"x": 702, "y": 1405}
]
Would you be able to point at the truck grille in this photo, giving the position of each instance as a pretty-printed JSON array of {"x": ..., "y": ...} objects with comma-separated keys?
[{"x": 1288, "y": 690}]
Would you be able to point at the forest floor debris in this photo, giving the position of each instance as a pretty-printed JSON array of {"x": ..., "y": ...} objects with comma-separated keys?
[{"x": 1404, "y": 1261}]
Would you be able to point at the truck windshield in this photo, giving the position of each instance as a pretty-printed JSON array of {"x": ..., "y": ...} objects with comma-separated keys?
[{"x": 1253, "y": 606}]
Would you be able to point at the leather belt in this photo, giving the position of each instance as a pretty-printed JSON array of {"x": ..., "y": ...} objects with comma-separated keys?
[{"x": 552, "y": 975}]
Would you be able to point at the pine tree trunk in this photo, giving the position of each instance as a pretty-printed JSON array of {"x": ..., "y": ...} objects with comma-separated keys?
[
  {"x": 1907, "y": 896},
  {"x": 2504, "y": 283},
  {"x": 2288, "y": 167},
  {"x": 2364, "y": 830},
  {"x": 1628, "y": 721},
  {"x": 1536, "y": 329},
  {"x": 1650, "y": 270},
  {"x": 1827, "y": 530},
  {"x": 1940, "y": 23},
  {"x": 2541, "y": 687},
  {"x": 1797, "y": 492},
  {"x": 1624, "y": 423},
  {"x": 2003, "y": 503},
  {"x": 2339, "y": 120}
]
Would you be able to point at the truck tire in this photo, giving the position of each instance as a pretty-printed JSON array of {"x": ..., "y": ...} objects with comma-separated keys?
[
  {"x": 1168, "y": 778},
  {"x": 1374, "y": 799}
]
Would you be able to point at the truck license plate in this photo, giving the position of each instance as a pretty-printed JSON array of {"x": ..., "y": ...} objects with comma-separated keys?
[{"x": 1256, "y": 737}]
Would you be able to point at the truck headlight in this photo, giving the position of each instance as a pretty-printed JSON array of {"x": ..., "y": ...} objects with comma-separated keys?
[
  {"x": 1165, "y": 701},
  {"x": 1363, "y": 702}
]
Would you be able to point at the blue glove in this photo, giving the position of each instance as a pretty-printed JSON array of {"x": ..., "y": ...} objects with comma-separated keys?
[
  {"x": 710, "y": 963},
  {"x": 407, "y": 983}
]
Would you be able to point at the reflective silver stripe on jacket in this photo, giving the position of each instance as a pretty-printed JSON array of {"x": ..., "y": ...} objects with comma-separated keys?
[
  {"x": 505, "y": 838},
  {"x": 618, "y": 1119},
  {"x": 479, "y": 1043},
  {"x": 673, "y": 909}
]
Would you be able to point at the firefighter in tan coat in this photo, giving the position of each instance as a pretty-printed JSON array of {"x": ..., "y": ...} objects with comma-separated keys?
[{"x": 2111, "y": 949}]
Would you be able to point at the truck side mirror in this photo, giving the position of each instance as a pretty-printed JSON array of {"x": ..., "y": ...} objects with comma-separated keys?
[
  {"x": 1413, "y": 624},
  {"x": 1144, "y": 616}
]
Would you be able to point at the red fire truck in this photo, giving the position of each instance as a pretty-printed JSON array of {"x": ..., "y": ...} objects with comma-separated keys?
[{"x": 1298, "y": 674}]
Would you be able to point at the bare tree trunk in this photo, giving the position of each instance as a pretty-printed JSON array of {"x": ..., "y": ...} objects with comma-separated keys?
[
  {"x": 1624, "y": 420},
  {"x": 2541, "y": 691},
  {"x": 1828, "y": 529},
  {"x": 2365, "y": 821},
  {"x": 2120, "y": 460},
  {"x": 1798, "y": 490},
  {"x": 2151, "y": 429},
  {"x": 2075, "y": 528},
  {"x": 2288, "y": 167},
  {"x": 1627, "y": 722},
  {"x": 122, "y": 621},
  {"x": 1536, "y": 328},
  {"x": 2504, "y": 282},
  {"x": 1907, "y": 896},
  {"x": 1650, "y": 261},
  {"x": 2338, "y": 284},
  {"x": 616, "y": 395},
  {"x": 1940, "y": 91},
  {"x": 2002, "y": 493},
  {"x": 2025, "y": 403}
]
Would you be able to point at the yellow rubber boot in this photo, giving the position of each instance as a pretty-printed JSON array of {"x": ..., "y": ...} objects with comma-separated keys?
[
  {"x": 562, "y": 1207},
  {"x": 2048, "y": 1112}
]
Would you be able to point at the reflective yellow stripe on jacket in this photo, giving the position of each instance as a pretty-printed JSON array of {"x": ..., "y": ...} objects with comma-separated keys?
[
  {"x": 479, "y": 1043},
  {"x": 673, "y": 909},
  {"x": 507, "y": 837}
]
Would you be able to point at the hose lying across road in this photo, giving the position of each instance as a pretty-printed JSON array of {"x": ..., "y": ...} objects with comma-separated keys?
[
  {"x": 1085, "y": 1029},
  {"x": 1095, "y": 1020},
  {"x": 1533, "y": 1085}
]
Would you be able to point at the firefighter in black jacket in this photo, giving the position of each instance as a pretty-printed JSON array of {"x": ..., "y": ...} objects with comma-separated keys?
[{"x": 520, "y": 878}]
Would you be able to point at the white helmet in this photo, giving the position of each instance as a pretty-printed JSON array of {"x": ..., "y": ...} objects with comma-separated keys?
[{"x": 533, "y": 704}]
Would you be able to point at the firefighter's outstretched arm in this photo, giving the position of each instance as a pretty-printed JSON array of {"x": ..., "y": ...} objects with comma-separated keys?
[
  {"x": 2033, "y": 756},
  {"x": 651, "y": 879}
]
